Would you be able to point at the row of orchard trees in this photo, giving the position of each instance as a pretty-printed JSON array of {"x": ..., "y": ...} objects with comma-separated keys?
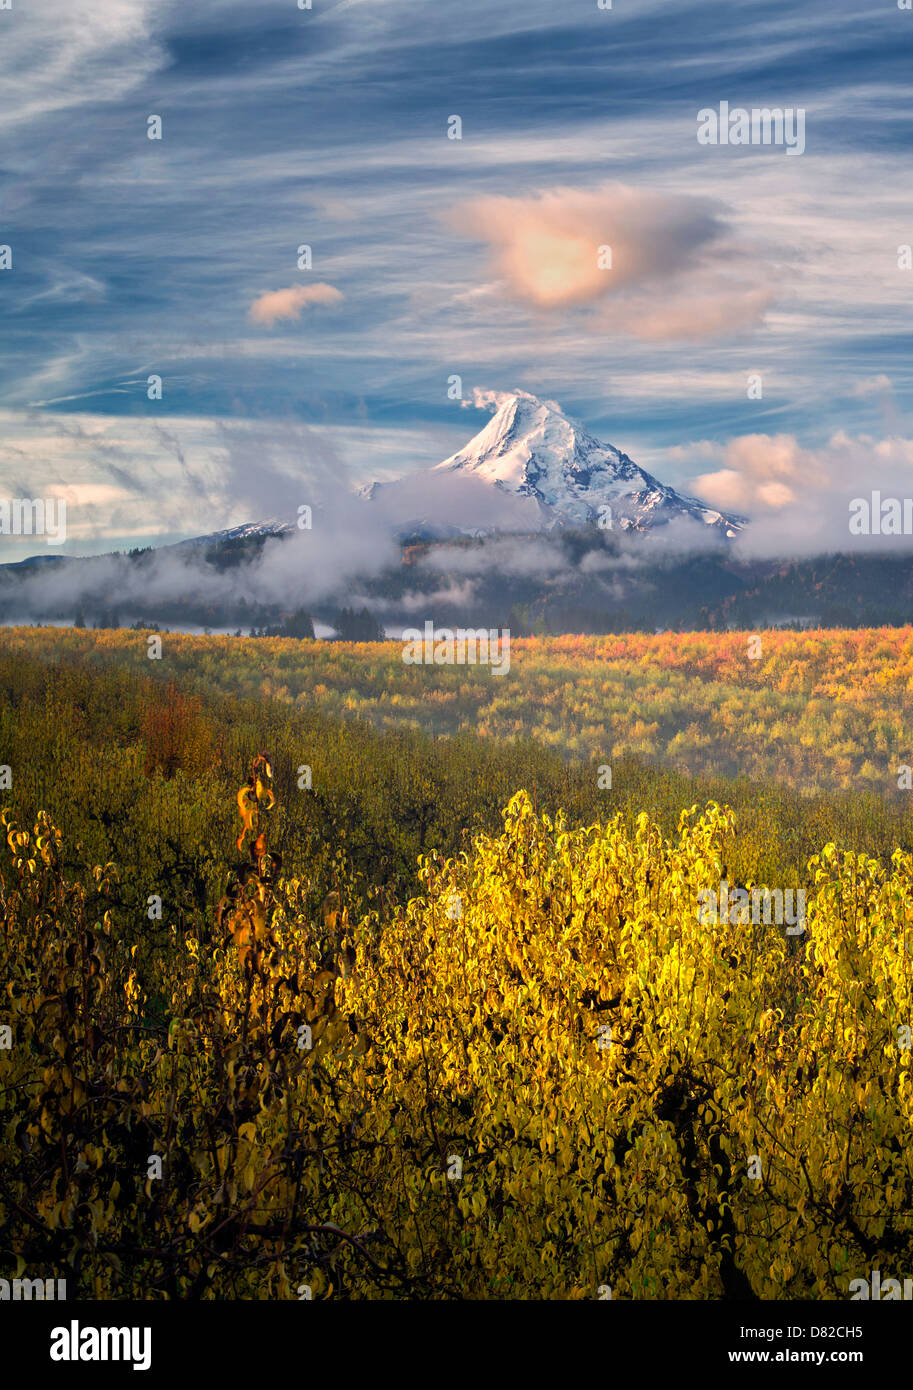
[
  {"x": 816, "y": 710},
  {"x": 540, "y": 1078}
]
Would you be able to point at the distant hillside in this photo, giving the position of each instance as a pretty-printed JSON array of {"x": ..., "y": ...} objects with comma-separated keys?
[{"x": 569, "y": 581}]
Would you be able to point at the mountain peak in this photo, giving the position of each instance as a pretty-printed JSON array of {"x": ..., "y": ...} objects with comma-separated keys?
[
  {"x": 524, "y": 440},
  {"x": 531, "y": 466}
]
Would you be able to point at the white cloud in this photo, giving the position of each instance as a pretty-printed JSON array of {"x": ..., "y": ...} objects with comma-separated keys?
[
  {"x": 872, "y": 386},
  {"x": 55, "y": 56}
]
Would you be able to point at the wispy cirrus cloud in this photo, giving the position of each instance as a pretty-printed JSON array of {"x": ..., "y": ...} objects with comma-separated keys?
[{"x": 328, "y": 126}]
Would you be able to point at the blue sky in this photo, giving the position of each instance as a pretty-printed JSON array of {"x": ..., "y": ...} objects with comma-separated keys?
[{"x": 329, "y": 127}]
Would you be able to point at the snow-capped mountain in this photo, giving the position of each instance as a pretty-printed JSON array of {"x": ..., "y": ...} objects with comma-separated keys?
[
  {"x": 533, "y": 468},
  {"x": 530, "y": 468},
  {"x": 243, "y": 532}
]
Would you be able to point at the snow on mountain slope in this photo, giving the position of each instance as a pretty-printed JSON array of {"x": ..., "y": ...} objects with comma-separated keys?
[
  {"x": 240, "y": 533},
  {"x": 533, "y": 468}
]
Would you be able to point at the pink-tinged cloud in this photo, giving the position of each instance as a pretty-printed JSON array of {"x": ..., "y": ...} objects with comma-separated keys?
[
  {"x": 763, "y": 471},
  {"x": 549, "y": 246},
  {"x": 288, "y": 304},
  {"x": 660, "y": 266},
  {"x": 797, "y": 497}
]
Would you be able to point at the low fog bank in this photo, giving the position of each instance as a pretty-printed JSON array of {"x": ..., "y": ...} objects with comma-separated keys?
[{"x": 356, "y": 556}]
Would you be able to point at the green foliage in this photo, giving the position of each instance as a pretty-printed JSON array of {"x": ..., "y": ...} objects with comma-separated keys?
[
  {"x": 138, "y": 771},
  {"x": 312, "y": 1033},
  {"x": 568, "y": 1084}
]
